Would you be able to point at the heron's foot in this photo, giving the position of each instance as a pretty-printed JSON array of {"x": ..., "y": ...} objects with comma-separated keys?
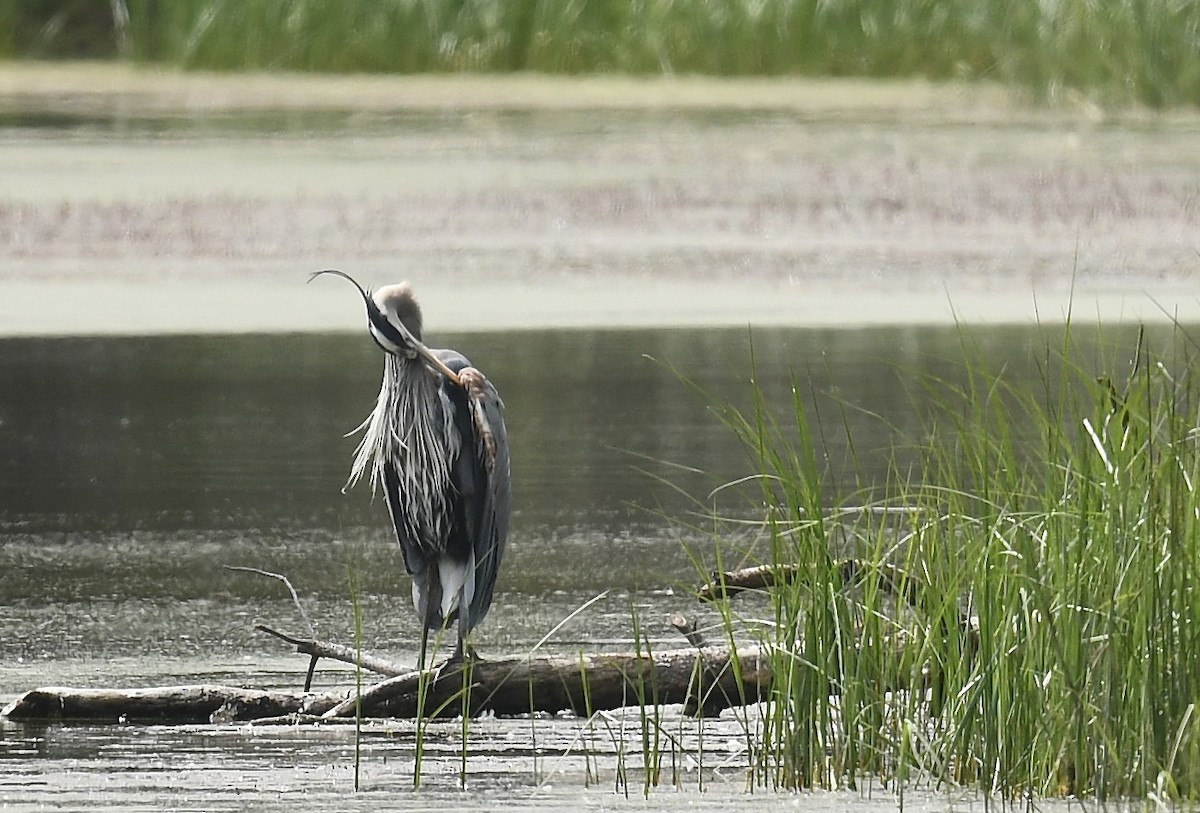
[{"x": 464, "y": 654}]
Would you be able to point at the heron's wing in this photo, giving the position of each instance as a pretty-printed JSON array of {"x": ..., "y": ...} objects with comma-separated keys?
[
  {"x": 480, "y": 476},
  {"x": 490, "y": 447}
]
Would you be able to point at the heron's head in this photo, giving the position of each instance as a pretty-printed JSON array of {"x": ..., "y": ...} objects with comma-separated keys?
[
  {"x": 393, "y": 315},
  {"x": 398, "y": 307},
  {"x": 394, "y": 319}
]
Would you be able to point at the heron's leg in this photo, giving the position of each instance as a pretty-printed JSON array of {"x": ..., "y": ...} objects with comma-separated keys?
[
  {"x": 461, "y": 648},
  {"x": 433, "y": 599},
  {"x": 424, "y": 644}
]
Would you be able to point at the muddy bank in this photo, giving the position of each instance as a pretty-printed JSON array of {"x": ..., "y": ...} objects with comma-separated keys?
[{"x": 143, "y": 203}]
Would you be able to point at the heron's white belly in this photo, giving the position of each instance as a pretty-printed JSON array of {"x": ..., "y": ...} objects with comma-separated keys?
[{"x": 458, "y": 584}]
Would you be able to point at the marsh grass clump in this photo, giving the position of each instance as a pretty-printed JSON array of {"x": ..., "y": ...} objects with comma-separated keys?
[
  {"x": 1043, "y": 636},
  {"x": 1123, "y": 50}
]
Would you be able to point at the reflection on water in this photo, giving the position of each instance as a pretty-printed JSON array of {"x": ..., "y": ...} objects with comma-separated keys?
[{"x": 132, "y": 470}]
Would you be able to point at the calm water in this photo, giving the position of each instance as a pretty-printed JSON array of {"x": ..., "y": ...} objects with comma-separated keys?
[{"x": 133, "y": 470}]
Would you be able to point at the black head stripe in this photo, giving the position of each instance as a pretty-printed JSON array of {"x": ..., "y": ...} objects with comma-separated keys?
[{"x": 381, "y": 328}]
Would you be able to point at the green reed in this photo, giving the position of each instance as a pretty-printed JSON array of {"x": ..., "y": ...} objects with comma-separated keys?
[
  {"x": 1122, "y": 50},
  {"x": 1022, "y": 618},
  {"x": 356, "y": 606}
]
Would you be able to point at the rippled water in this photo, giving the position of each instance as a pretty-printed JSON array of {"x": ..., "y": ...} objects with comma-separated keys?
[{"x": 135, "y": 469}]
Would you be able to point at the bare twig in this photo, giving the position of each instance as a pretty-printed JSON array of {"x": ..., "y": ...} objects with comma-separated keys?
[{"x": 287, "y": 583}]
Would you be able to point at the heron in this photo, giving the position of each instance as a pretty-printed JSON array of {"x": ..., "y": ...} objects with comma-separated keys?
[{"x": 437, "y": 445}]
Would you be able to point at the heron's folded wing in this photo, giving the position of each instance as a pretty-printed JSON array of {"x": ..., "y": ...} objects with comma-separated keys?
[
  {"x": 415, "y": 560},
  {"x": 489, "y": 444}
]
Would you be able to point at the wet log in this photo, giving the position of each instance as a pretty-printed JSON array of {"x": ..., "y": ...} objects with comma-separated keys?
[
  {"x": 725, "y": 585},
  {"x": 704, "y": 681},
  {"x": 163, "y": 704}
]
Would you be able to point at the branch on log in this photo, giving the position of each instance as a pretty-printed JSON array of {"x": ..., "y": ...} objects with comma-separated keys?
[
  {"x": 164, "y": 704},
  {"x": 337, "y": 652},
  {"x": 892, "y": 580},
  {"x": 688, "y": 629}
]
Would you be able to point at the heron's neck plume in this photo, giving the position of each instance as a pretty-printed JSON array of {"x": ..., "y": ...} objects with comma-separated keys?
[{"x": 411, "y": 429}]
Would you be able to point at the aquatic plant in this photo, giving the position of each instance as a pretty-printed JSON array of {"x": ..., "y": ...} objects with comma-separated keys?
[
  {"x": 1039, "y": 631},
  {"x": 356, "y": 606}
]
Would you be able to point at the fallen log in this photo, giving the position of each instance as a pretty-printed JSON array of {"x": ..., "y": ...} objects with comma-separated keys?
[
  {"x": 163, "y": 704},
  {"x": 725, "y": 585},
  {"x": 705, "y": 681},
  {"x": 702, "y": 679}
]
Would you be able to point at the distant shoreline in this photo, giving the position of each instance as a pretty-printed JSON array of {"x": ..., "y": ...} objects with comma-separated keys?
[{"x": 80, "y": 87}]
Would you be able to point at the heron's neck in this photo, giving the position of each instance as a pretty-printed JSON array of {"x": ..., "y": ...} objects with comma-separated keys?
[{"x": 409, "y": 424}]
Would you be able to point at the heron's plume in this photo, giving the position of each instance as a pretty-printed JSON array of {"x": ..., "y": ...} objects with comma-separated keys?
[{"x": 411, "y": 428}]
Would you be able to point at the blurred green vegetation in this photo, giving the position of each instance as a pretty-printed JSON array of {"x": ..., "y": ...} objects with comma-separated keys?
[{"x": 1118, "y": 50}]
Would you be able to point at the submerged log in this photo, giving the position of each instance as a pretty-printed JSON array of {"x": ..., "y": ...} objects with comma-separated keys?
[
  {"x": 163, "y": 704},
  {"x": 705, "y": 681},
  {"x": 724, "y": 585},
  {"x": 728, "y": 584}
]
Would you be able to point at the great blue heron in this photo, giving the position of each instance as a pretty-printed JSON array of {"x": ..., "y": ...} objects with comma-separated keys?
[{"x": 437, "y": 443}]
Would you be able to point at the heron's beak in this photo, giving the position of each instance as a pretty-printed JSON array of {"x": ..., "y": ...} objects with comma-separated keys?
[
  {"x": 396, "y": 335},
  {"x": 430, "y": 359}
]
